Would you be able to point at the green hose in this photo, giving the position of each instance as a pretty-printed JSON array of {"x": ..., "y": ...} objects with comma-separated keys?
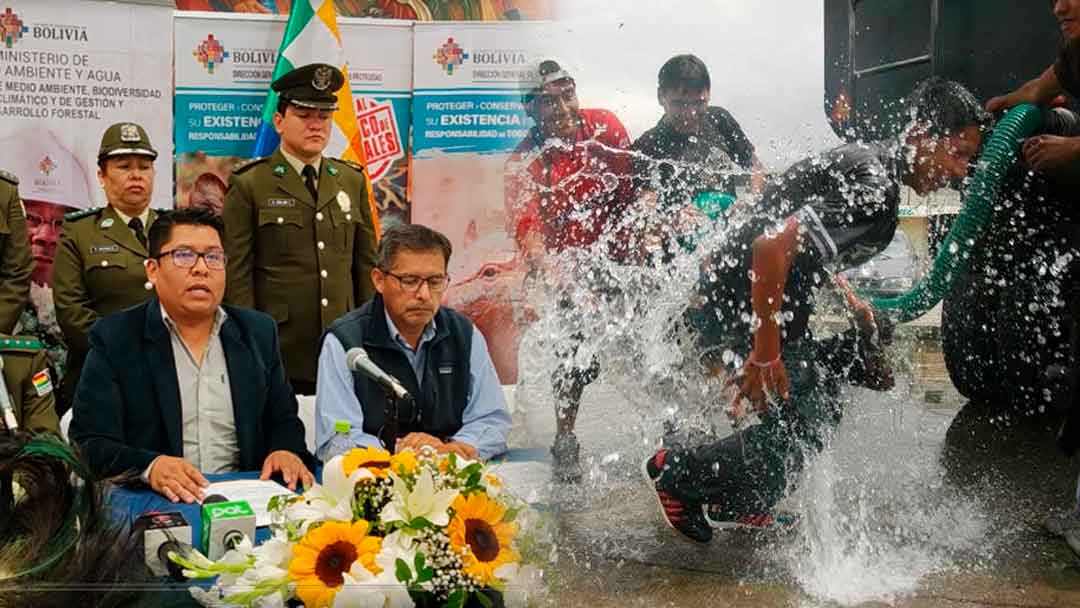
[{"x": 999, "y": 154}]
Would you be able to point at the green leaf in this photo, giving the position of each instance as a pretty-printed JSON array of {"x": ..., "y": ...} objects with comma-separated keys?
[
  {"x": 401, "y": 571},
  {"x": 456, "y": 599},
  {"x": 274, "y": 503},
  {"x": 419, "y": 562},
  {"x": 425, "y": 576},
  {"x": 511, "y": 514},
  {"x": 474, "y": 480},
  {"x": 452, "y": 459},
  {"x": 483, "y": 599},
  {"x": 420, "y": 522}
]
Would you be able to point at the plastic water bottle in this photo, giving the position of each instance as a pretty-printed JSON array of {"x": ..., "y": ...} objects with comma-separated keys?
[{"x": 341, "y": 442}]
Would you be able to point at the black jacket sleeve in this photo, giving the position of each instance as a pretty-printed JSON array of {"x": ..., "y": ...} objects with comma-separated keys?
[{"x": 97, "y": 423}]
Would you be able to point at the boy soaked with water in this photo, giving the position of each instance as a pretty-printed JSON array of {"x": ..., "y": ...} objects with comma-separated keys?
[{"x": 825, "y": 214}]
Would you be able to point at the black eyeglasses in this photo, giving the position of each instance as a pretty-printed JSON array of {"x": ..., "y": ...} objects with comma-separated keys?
[
  {"x": 412, "y": 282},
  {"x": 183, "y": 257},
  {"x": 34, "y": 221}
]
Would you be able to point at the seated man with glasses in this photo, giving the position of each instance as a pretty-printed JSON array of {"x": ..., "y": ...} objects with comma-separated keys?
[
  {"x": 434, "y": 352},
  {"x": 180, "y": 385}
]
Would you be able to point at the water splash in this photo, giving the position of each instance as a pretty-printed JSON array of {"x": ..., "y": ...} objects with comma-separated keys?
[{"x": 878, "y": 518}]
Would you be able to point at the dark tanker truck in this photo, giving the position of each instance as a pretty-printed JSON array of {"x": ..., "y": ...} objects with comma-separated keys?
[{"x": 1005, "y": 323}]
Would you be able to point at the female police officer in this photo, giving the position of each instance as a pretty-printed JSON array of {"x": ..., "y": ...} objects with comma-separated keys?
[{"x": 99, "y": 264}]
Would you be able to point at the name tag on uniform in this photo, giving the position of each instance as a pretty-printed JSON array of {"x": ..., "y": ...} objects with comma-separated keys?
[
  {"x": 278, "y": 203},
  {"x": 443, "y": 371},
  {"x": 105, "y": 249}
]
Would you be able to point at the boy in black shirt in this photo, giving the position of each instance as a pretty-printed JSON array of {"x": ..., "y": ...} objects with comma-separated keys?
[
  {"x": 694, "y": 148},
  {"x": 827, "y": 213}
]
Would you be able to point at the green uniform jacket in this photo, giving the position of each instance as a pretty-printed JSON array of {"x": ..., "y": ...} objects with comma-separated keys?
[
  {"x": 98, "y": 270},
  {"x": 303, "y": 262},
  {"x": 16, "y": 265},
  {"x": 29, "y": 384}
]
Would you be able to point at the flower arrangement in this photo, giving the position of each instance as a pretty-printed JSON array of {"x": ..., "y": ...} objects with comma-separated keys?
[{"x": 386, "y": 531}]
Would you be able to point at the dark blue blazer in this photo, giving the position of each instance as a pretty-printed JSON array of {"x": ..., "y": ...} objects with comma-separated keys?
[{"x": 127, "y": 404}]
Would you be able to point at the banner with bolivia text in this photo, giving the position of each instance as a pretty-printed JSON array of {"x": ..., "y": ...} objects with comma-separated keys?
[
  {"x": 467, "y": 118},
  {"x": 69, "y": 70},
  {"x": 224, "y": 65}
]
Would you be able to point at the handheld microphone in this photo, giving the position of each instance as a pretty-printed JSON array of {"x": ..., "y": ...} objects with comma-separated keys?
[
  {"x": 358, "y": 360},
  {"x": 225, "y": 524},
  {"x": 5, "y": 402},
  {"x": 164, "y": 532}
]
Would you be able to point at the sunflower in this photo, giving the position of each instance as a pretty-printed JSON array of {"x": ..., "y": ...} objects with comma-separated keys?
[
  {"x": 478, "y": 525},
  {"x": 372, "y": 459},
  {"x": 403, "y": 463},
  {"x": 379, "y": 462},
  {"x": 325, "y": 553}
]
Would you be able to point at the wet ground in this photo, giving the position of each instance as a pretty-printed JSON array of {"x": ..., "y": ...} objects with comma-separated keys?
[{"x": 900, "y": 511}]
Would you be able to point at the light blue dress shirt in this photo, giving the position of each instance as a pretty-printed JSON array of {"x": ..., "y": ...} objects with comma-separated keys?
[{"x": 485, "y": 422}]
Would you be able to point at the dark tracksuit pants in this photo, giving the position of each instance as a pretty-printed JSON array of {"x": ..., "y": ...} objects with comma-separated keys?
[{"x": 748, "y": 472}]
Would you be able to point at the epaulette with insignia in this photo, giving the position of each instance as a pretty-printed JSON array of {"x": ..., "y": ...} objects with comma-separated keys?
[
  {"x": 20, "y": 344},
  {"x": 9, "y": 177},
  {"x": 350, "y": 163},
  {"x": 244, "y": 166},
  {"x": 78, "y": 215}
]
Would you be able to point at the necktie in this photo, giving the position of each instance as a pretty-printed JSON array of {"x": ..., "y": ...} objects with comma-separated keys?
[
  {"x": 136, "y": 226},
  {"x": 309, "y": 181}
]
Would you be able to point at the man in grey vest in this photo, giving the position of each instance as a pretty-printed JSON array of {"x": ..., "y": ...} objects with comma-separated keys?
[{"x": 433, "y": 351}]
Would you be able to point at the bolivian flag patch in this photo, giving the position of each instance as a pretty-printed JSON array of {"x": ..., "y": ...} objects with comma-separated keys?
[{"x": 42, "y": 383}]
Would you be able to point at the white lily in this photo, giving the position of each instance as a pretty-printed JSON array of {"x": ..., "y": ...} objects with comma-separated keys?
[
  {"x": 275, "y": 600},
  {"x": 240, "y": 555},
  {"x": 331, "y": 500},
  {"x": 274, "y": 553},
  {"x": 524, "y": 585},
  {"x": 362, "y": 589},
  {"x": 423, "y": 501},
  {"x": 398, "y": 545}
]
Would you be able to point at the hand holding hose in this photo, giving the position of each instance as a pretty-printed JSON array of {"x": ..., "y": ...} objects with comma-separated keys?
[{"x": 1051, "y": 152}]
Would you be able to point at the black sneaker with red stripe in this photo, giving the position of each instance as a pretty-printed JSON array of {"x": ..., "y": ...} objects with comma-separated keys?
[
  {"x": 779, "y": 522},
  {"x": 686, "y": 518}
]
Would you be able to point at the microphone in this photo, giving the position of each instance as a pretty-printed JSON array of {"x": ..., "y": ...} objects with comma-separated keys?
[
  {"x": 164, "y": 532},
  {"x": 5, "y": 402},
  {"x": 225, "y": 524},
  {"x": 358, "y": 360}
]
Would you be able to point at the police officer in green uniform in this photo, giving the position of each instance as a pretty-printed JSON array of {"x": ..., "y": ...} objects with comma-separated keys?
[
  {"x": 16, "y": 265},
  {"x": 298, "y": 229},
  {"x": 99, "y": 264},
  {"x": 28, "y": 384}
]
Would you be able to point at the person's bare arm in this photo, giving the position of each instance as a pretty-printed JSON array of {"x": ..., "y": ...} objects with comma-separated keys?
[
  {"x": 1039, "y": 91},
  {"x": 764, "y": 373}
]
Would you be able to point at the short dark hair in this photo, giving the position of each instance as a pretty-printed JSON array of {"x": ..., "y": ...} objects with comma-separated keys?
[
  {"x": 282, "y": 105},
  {"x": 684, "y": 72},
  {"x": 161, "y": 229},
  {"x": 945, "y": 107},
  {"x": 411, "y": 237}
]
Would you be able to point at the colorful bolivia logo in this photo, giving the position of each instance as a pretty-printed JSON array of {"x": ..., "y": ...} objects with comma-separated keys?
[
  {"x": 46, "y": 165},
  {"x": 210, "y": 53},
  {"x": 11, "y": 27},
  {"x": 449, "y": 56}
]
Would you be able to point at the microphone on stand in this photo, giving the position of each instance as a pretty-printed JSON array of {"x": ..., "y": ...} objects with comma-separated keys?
[
  {"x": 164, "y": 532},
  {"x": 225, "y": 524},
  {"x": 358, "y": 361}
]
